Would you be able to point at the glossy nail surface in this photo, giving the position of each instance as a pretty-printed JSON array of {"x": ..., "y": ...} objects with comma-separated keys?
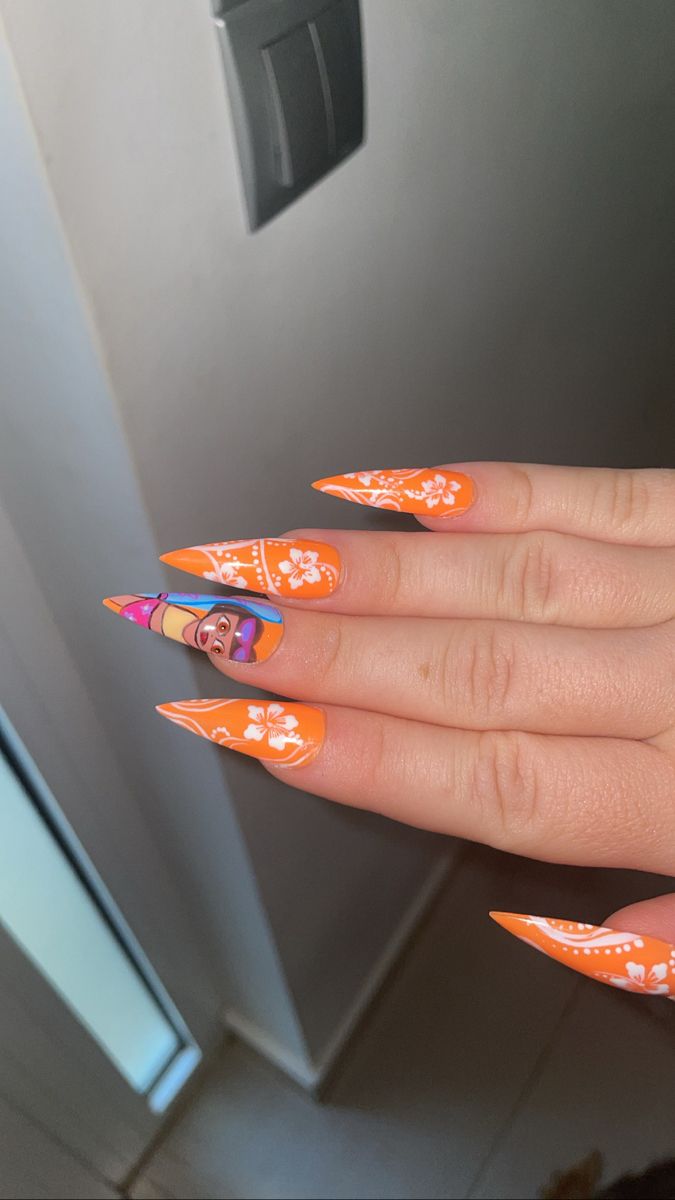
[
  {"x": 426, "y": 491},
  {"x": 241, "y": 630},
  {"x": 277, "y": 731},
  {"x": 629, "y": 961},
  {"x": 281, "y": 566}
]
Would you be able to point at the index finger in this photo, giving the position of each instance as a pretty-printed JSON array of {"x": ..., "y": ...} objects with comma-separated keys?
[{"x": 633, "y": 507}]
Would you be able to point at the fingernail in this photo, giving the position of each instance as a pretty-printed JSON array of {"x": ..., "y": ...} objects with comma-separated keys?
[
  {"x": 426, "y": 491},
  {"x": 241, "y": 630},
  {"x": 282, "y": 566},
  {"x": 629, "y": 961},
  {"x": 289, "y": 735}
]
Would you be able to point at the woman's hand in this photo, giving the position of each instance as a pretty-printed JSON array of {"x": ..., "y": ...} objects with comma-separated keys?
[{"x": 507, "y": 677}]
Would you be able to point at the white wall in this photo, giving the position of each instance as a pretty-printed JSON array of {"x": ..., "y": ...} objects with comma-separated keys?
[
  {"x": 490, "y": 276},
  {"x": 294, "y": 901}
]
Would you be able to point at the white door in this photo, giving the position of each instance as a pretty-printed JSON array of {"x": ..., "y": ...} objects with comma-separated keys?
[{"x": 93, "y": 1049}]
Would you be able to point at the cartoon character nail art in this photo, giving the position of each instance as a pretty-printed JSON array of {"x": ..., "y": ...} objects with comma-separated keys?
[{"x": 240, "y": 630}]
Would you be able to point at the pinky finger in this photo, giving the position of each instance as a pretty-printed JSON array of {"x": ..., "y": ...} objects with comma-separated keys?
[
  {"x": 588, "y": 801},
  {"x": 591, "y": 801}
]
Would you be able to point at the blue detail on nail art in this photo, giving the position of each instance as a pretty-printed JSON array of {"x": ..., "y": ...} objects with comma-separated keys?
[{"x": 259, "y": 608}]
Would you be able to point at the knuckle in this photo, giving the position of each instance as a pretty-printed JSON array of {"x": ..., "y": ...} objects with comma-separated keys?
[
  {"x": 506, "y": 786},
  {"x": 333, "y": 667},
  {"x": 487, "y": 673},
  {"x": 520, "y": 494},
  {"x": 529, "y": 577},
  {"x": 624, "y": 499},
  {"x": 375, "y": 759}
]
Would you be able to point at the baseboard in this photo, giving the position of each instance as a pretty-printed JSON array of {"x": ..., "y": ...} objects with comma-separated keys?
[
  {"x": 382, "y": 966},
  {"x": 299, "y": 1069},
  {"x": 310, "y": 1073}
]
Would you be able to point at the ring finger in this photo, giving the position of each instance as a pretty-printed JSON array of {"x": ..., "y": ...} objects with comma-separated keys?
[{"x": 475, "y": 674}]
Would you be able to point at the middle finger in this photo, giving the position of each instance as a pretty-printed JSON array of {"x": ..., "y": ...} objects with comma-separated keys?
[
  {"x": 542, "y": 577},
  {"x": 475, "y": 674}
]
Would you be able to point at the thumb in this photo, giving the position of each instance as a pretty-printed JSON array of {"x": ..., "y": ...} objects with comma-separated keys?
[
  {"x": 633, "y": 950},
  {"x": 654, "y": 918}
]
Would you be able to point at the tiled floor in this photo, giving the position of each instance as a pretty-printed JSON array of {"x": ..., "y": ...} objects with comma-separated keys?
[{"x": 481, "y": 1070}]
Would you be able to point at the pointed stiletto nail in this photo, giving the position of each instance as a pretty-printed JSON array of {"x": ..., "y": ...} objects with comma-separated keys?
[
  {"x": 630, "y": 961},
  {"x": 241, "y": 630},
  {"x": 289, "y": 735},
  {"x": 280, "y": 566},
  {"x": 426, "y": 491}
]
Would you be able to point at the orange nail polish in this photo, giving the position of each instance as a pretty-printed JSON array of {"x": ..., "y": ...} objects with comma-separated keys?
[
  {"x": 427, "y": 491},
  {"x": 280, "y": 566},
  {"x": 289, "y": 735},
  {"x": 629, "y": 961}
]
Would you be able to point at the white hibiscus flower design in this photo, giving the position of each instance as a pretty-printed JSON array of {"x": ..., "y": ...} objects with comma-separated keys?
[
  {"x": 367, "y": 478},
  {"x": 273, "y": 724},
  {"x": 436, "y": 489},
  {"x": 302, "y": 567},
  {"x": 639, "y": 979},
  {"x": 227, "y": 573}
]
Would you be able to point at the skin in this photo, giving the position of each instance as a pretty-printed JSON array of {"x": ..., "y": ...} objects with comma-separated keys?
[{"x": 507, "y": 676}]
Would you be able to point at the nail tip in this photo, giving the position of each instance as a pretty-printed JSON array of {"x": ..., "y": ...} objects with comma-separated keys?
[
  {"x": 514, "y": 923},
  {"x": 175, "y": 558},
  {"x": 167, "y": 710},
  {"x": 503, "y": 917}
]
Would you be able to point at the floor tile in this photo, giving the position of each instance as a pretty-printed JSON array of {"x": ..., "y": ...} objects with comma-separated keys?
[
  {"x": 608, "y": 1083},
  {"x": 432, "y": 1077}
]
